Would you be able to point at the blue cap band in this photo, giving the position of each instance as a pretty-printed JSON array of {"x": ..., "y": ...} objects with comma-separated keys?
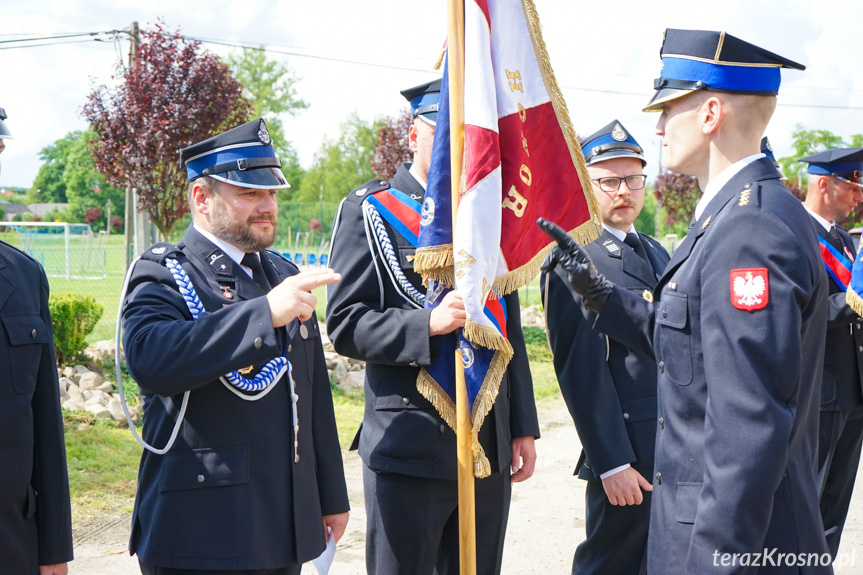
[
  {"x": 196, "y": 166},
  {"x": 723, "y": 77},
  {"x": 607, "y": 139},
  {"x": 835, "y": 168},
  {"x": 424, "y": 100}
]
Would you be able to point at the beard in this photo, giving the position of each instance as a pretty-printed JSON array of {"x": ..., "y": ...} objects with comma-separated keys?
[{"x": 240, "y": 233}]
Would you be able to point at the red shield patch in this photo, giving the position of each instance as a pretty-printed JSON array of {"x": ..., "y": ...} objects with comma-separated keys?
[{"x": 749, "y": 289}]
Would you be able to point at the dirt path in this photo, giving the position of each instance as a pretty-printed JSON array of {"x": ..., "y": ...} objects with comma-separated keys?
[{"x": 546, "y": 519}]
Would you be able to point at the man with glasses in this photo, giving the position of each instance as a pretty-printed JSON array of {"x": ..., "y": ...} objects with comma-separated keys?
[
  {"x": 834, "y": 190},
  {"x": 737, "y": 327},
  {"x": 609, "y": 389}
]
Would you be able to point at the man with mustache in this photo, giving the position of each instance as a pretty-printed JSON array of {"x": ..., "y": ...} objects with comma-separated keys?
[
  {"x": 253, "y": 482},
  {"x": 609, "y": 389}
]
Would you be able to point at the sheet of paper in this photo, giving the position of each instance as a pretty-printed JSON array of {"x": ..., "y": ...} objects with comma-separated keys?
[{"x": 325, "y": 561}]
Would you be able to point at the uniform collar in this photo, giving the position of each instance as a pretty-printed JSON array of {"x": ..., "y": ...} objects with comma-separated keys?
[
  {"x": 720, "y": 180},
  {"x": 824, "y": 223},
  {"x": 414, "y": 171},
  {"x": 230, "y": 250},
  {"x": 619, "y": 234}
]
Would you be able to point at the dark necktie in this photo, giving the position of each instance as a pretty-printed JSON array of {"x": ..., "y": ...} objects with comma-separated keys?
[
  {"x": 633, "y": 241},
  {"x": 834, "y": 238},
  {"x": 253, "y": 262}
]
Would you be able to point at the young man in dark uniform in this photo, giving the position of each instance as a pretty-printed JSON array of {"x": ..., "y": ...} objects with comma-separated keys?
[
  {"x": 736, "y": 326},
  {"x": 609, "y": 389},
  {"x": 376, "y": 314},
  {"x": 35, "y": 514},
  {"x": 253, "y": 481},
  {"x": 834, "y": 190}
]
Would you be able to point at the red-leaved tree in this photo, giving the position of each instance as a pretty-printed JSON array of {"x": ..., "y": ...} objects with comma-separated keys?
[
  {"x": 392, "y": 147},
  {"x": 176, "y": 94},
  {"x": 92, "y": 215},
  {"x": 677, "y": 194}
]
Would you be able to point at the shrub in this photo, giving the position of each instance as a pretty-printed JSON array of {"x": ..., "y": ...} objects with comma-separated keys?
[{"x": 73, "y": 316}]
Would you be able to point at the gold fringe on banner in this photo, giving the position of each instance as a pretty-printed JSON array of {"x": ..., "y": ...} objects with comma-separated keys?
[
  {"x": 854, "y": 301},
  {"x": 481, "y": 465},
  {"x": 439, "y": 62},
  {"x": 435, "y": 263},
  {"x": 482, "y": 406},
  {"x": 487, "y": 337},
  {"x": 430, "y": 390},
  {"x": 511, "y": 281}
]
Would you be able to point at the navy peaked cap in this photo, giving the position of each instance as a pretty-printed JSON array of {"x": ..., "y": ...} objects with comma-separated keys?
[
  {"x": 242, "y": 156},
  {"x": 836, "y": 161},
  {"x": 424, "y": 99},
  {"x": 4, "y": 131},
  {"x": 611, "y": 141},
  {"x": 715, "y": 61}
]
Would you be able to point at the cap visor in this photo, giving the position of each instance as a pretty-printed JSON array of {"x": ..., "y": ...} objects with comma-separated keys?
[
  {"x": 262, "y": 178},
  {"x": 610, "y": 155},
  {"x": 664, "y": 95},
  {"x": 4, "y": 132}
]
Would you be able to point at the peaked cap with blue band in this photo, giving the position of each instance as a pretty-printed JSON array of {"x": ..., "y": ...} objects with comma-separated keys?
[
  {"x": 4, "y": 131},
  {"x": 242, "y": 156},
  {"x": 424, "y": 100},
  {"x": 836, "y": 161},
  {"x": 716, "y": 62},
  {"x": 612, "y": 141}
]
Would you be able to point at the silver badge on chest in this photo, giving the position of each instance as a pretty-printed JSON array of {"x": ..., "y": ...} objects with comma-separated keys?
[{"x": 304, "y": 331}]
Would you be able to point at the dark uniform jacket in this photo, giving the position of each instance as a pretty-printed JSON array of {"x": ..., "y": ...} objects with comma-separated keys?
[
  {"x": 738, "y": 390},
  {"x": 843, "y": 353},
  {"x": 35, "y": 515},
  {"x": 609, "y": 389},
  {"x": 371, "y": 317},
  {"x": 228, "y": 495}
]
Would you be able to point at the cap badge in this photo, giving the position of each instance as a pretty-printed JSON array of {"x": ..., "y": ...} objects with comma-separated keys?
[
  {"x": 263, "y": 134},
  {"x": 618, "y": 133}
]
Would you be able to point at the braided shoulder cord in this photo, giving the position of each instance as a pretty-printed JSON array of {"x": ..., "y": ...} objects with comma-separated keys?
[
  {"x": 389, "y": 254},
  {"x": 271, "y": 372}
]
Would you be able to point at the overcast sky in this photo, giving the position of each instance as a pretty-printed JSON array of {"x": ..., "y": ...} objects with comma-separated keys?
[{"x": 361, "y": 53}]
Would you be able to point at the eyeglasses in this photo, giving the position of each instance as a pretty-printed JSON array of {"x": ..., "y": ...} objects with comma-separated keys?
[
  {"x": 634, "y": 182},
  {"x": 855, "y": 177}
]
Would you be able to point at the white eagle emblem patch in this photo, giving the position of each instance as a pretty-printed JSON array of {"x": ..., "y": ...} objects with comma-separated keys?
[{"x": 749, "y": 289}]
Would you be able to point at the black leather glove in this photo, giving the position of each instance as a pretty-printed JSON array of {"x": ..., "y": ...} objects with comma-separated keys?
[{"x": 582, "y": 274}]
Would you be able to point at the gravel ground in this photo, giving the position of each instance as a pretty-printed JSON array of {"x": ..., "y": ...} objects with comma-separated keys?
[{"x": 546, "y": 519}]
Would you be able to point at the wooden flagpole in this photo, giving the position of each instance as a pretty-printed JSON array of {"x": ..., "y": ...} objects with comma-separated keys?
[{"x": 466, "y": 500}]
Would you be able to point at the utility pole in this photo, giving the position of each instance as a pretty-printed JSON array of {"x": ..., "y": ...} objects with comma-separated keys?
[{"x": 129, "y": 222}]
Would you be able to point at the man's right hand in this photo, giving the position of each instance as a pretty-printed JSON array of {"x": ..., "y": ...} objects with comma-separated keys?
[
  {"x": 448, "y": 316},
  {"x": 624, "y": 487},
  {"x": 583, "y": 276},
  {"x": 293, "y": 298}
]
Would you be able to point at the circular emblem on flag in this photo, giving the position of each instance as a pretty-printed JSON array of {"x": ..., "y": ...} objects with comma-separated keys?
[
  {"x": 618, "y": 133},
  {"x": 263, "y": 134},
  {"x": 427, "y": 215},
  {"x": 467, "y": 356}
]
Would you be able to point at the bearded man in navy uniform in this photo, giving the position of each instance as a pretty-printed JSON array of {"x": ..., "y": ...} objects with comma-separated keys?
[
  {"x": 609, "y": 389},
  {"x": 35, "y": 513},
  {"x": 376, "y": 314},
  {"x": 736, "y": 326},
  {"x": 252, "y": 484},
  {"x": 833, "y": 191}
]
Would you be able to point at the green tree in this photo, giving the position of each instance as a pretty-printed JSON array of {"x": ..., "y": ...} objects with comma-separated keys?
[
  {"x": 49, "y": 181},
  {"x": 341, "y": 165},
  {"x": 86, "y": 188},
  {"x": 271, "y": 88}
]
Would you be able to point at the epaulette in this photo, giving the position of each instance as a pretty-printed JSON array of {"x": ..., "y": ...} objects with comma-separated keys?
[
  {"x": 22, "y": 252},
  {"x": 282, "y": 257},
  {"x": 750, "y": 195},
  {"x": 371, "y": 187},
  {"x": 160, "y": 251}
]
